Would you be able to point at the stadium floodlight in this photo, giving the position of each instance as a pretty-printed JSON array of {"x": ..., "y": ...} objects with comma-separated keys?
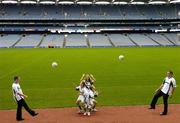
[
  {"x": 157, "y": 2},
  {"x": 137, "y": 3},
  {"x": 47, "y": 2},
  {"x": 9, "y": 1},
  {"x": 66, "y": 2},
  {"x": 175, "y": 1},
  {"x": 102, "y": 2},
  {"x": 65, "y": 25},
  {"x": 53, "y": 30},
  {"x": 122, "y": 3},
  {"x": 160, "y": 30},
  {"x": 79, "y": 30},
  {"x": 84, "y": 2},
  {"x": 28, "y": 2},
  {"x": 66, "y": 35},
  {"x": 85, "y": 35},
  {"x": 85, "y": 14},
  {"x": 59, "y": 31},
  {"x": 174, "y": 30},
  {"x": 85, "y": 26},
  {"x": 65, "y": 14}
]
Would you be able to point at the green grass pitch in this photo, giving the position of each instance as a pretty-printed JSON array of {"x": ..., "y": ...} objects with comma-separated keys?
[{"x": 128, "y": 82}]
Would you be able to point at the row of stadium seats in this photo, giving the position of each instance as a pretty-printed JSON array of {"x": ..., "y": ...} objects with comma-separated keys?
[
  {"x": 90, "y": 40},
  {"x": 127, "y": 12}
]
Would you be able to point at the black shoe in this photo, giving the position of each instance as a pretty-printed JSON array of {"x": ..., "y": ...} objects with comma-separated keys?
[
  {"x": 20, "y": 119},
  {"x": 162, "y": 113},
  {"x": 35, "y": 114},
  {"x": 151, "y": 108}
]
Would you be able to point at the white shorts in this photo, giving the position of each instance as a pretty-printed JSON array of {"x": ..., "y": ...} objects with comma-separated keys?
[
  {"x": 92, "y": 101},
  {"x": 81, "y": 98},
  {"x": 89, "y": 102}
]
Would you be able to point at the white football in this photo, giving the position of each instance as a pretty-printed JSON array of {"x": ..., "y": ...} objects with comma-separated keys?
[
  {"x": 54, "y": 64},
  {"x": 121, "y": 57}
]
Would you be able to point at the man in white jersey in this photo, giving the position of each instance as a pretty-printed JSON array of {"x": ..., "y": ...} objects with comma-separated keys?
[
  {"x": 166, "y": 89},
  {"x": 19, "y": 97}
]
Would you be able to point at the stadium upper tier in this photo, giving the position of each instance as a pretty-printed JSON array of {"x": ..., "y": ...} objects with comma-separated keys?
[{"x": 89, "y": 12}]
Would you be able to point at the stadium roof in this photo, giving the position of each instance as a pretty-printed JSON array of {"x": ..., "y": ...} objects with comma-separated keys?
[{"x": 90, "y": 1}]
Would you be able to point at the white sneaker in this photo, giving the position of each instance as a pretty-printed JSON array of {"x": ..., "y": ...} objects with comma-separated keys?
[
  {"x": 85, "y": 113},
  {"x": 88, "y": 113},
  {"x": 80, "y": 112},
  {"x": 95, "y": 110}
]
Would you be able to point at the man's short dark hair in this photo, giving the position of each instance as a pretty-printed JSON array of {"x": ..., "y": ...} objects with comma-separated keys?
[
  {"x": 171, "y": 72},
  {"x": 15, "y": 78}
]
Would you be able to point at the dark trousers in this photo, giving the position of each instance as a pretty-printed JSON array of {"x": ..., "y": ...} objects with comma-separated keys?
[
  {"x": 158, "y": 94},
  {"x": 21, "y": 103}
]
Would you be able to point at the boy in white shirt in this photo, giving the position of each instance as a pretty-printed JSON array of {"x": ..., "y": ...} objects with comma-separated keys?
[
  {"x": 19, "y": 97},
  {"x": 166, "y": 89}
]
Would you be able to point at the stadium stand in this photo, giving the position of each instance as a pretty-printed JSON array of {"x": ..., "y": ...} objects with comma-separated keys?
[
  {"x": 98, "y": 40},
  {"x": 7, "y": 41},
  {"x": 92, "y": 40},
  {"x": 89, "y": 12},
  {"x": 121, "y": 40},
  {"x": 173, "y": 37},
  {"x": 29, "y": 41},
  {"x": 161, "y": 39},
  {"x": 93, "y": 25},
  {"x": 76, "y": 40},
  {"x": 52, "y": 40},
  {"x": 142, "y": 40}
]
